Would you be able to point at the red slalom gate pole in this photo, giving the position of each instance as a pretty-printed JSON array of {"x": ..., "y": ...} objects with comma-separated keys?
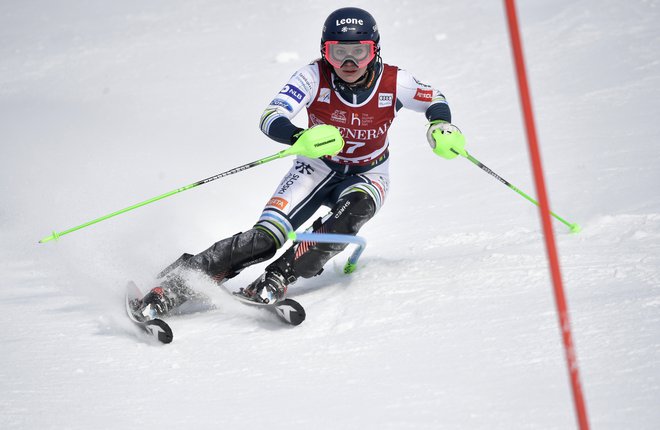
[{"x": 551, "y": 249}]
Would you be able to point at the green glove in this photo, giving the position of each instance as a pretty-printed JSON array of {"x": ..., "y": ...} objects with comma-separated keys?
[
  {"x": 446, "y": 140},
  {"x": 317, "y": 141}
]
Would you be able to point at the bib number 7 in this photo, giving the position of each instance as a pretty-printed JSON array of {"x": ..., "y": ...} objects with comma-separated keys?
[{"x": 352, "y": 146}]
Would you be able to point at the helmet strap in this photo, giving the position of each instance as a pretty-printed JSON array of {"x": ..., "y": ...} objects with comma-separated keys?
[{"x": 364, "y": 83}]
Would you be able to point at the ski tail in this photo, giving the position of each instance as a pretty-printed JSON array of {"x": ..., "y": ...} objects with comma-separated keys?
[{"x": 159, "y": 329}]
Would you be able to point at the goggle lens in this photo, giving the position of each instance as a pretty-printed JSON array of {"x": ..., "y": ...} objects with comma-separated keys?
[{"x": 361, "y": 53}]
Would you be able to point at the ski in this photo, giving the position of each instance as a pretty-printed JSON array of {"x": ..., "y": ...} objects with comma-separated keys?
[
  {"x": 288, "y": 310},
  {"x": 156, "y": 328}
]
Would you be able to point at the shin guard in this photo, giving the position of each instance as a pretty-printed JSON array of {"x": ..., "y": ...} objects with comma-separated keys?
[
  {"x": 229, "y": 256},
  {"x": 349, "y": 214}
]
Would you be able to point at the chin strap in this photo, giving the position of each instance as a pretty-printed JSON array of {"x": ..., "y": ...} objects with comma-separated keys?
[
  {"x": 364, "y": 83},
  {"x": 373, "y": 71}
]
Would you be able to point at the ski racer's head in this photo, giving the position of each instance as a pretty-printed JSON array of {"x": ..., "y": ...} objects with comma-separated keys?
[{"x": 350, "y": 44}]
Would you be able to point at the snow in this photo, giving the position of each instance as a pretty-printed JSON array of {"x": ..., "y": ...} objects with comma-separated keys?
[
  {"x": 449, "y": 321},
  {"x": 287, "y": 57}
]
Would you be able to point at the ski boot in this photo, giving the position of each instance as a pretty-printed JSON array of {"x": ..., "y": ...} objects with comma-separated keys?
[
  {"x": 163, "y": 299},
  {"x": 153, "y": 305},
  {"x": 271, "y": 286}
]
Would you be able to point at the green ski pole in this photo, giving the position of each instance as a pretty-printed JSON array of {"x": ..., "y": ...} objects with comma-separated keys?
[
  {"x": 574, "y": 227},
  {"x": 314, "y": 142},
  {"x": 280, "y": 154}
]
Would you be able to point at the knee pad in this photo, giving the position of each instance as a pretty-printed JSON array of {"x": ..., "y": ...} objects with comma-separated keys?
[
  {"x": 253, "y": 246},
  {"x": 350, "y": 213}
]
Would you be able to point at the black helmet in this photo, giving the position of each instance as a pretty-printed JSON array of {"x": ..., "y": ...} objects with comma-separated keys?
[{"x": 350, "y": 24}]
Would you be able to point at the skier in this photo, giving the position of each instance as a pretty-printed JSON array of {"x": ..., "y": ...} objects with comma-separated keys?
[{"x": 351, "y": 89}]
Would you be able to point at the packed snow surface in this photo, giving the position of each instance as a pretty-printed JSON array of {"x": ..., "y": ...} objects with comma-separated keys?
[{"x": 449, "y": 321}]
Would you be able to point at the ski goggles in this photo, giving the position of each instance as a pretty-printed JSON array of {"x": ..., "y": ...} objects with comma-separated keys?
[{"x": 361, "y": 53}]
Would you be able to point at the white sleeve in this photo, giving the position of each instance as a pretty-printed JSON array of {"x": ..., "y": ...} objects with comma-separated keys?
[
  {"x": 415, "y": 95},
  {"x": 298, "y": 92}
]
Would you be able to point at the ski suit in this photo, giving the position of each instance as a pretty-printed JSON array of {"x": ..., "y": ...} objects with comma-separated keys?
[{"x": 353, "y": 184}]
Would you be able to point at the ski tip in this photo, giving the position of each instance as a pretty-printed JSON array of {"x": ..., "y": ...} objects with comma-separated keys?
[
  {"x": 291, "y": 311},
  {"x": 160, "y": 330}
]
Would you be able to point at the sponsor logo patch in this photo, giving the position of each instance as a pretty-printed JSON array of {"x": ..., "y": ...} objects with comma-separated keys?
[
  {"x": 303, "y": 81},
  {"x": 342, "y": 209},
  {"x": 324, "y": 95},
  {"x": 355, "y": 119},
  {"x": 304, "y": 168},
  {"x": 338, "y": 116},
  {"x": 362, "y": 134},
  {"x": 278, "y": 202},
  {"x": 314, "y": 119},
  {"x": 421, "y": 84},
  {"x": 293, "y": 92},
  {"x": 287, "y": 182},
  {"x": 385, "y": 99},
  {"x": 367, "y": 119},
  {"x": 282, "y": 103},
  {"x": 423, "y": 95},
  {"x": 344, "y": 21}
]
